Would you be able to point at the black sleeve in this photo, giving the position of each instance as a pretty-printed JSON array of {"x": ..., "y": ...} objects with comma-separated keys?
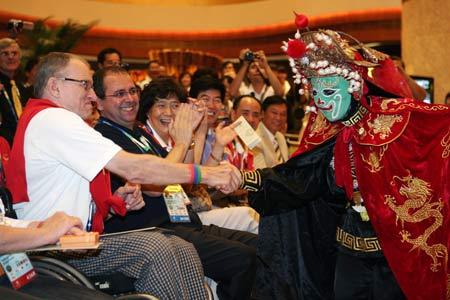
[{"x": 304, "y": 178}]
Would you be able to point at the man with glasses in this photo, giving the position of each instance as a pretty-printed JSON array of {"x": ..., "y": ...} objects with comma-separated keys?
[
  {"x": 13, "y": 94},
  {"x": 58, "y": 163}
]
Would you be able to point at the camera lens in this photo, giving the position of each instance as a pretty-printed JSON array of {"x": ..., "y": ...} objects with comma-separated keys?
[{"x": 249, "y": 56}]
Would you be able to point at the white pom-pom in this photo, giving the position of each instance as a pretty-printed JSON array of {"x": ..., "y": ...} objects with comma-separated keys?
[
  {"x": 325, "y": 63},
  {"x": 357, "y": 76},
  {"x": 332, "y": 69},
  {"x": 312, "y": 65},
  {"x": 344, "y": 72},
  {"x": 284, "y": 48},
  {"x": 297, "y": 81},
  {"x": 304, "y": 81},
  {"x": 304, "y": 60},
  {"x": 301, "y": 91},
  {"x": 350, "y": 90},
  {"x": 297, "y": 35},
  {"x": 292, "y": 63}
]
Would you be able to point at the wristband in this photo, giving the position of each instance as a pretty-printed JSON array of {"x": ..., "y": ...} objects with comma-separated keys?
[
  {"x": 192, "y": 173},
  {"x": 197, "y": 174}
]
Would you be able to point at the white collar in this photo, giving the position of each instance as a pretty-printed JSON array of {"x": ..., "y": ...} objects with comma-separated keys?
[{"x": 160, "y": 140}]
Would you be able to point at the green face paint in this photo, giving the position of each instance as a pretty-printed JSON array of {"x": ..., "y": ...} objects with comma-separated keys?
[{"x": 331, "y": 96}]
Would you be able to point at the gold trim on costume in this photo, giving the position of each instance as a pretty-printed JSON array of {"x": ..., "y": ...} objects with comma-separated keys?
[
  {"x": 374, "y": 158},
  {"x": 445, "y": 142},
  {"x": 418, "y": 207},
  {"x": 251, "y": 180},
  {"x": 357, "y": 243}
]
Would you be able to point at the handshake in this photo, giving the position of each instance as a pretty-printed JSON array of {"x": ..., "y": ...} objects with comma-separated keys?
[{"x": 224, "y": 177}]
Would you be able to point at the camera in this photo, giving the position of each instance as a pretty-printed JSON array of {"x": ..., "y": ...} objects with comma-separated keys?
[
  {"x": 250, "y": 56},
  {"x": 16, "y": 26}
]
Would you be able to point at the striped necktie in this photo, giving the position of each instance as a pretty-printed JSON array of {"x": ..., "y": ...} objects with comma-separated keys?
[
  {"x": 278, "y": 155},
  {"x": 16, "y": 98}
]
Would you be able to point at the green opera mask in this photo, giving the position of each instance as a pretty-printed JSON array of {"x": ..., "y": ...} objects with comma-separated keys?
[{"x": 331, "y": 96}]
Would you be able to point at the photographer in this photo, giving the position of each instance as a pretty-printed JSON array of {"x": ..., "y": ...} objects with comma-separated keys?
[{"x": 261, "y": 80}]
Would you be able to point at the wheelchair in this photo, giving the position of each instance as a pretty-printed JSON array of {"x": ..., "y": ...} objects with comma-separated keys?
[{"x": 116, "y": 284}]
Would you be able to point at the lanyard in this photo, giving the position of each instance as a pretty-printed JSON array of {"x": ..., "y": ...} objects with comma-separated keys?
[{"x": 143, "y": 144}]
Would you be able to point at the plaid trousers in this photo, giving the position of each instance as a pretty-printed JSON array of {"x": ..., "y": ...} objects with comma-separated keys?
[{"x": 163, "y": 265}]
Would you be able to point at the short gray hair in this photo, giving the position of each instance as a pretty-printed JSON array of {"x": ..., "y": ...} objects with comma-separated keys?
[
  {"x": 50, "y": 66},
  {"x": 6, "y": 42}
]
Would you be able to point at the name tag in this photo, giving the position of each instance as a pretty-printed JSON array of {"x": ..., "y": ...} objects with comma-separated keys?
[
  {"x": 18, "y": 268},
  {"x": 176, "y": 200}
]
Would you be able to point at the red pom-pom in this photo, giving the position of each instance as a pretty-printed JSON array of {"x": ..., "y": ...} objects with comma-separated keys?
[
  {"x": 301, "y": 21},
  {"x": 296, "y": 48}
]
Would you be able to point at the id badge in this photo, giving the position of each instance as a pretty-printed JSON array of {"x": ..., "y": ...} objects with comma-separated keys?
[
  {"x": 18, "y": 268},
  {"x": 175, "y": 199}
]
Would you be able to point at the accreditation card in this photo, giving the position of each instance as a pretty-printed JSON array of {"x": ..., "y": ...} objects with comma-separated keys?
[{"x": 176, "y": 200}]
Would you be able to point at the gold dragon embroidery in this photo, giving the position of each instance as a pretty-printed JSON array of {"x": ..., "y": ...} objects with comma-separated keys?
[
  {"x": 374, "y": 158},
  {"x": 445, "y": 143},
  {"x": 382, "y": 125},
  {"x": 417, "y": 208}
]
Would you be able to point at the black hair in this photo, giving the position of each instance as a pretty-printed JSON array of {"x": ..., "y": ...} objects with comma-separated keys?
[
  {"x": 238, "y": 100},
  {"x": 273, "y": 100},
  {"x": 102, "y": 54},
  {"x": 206, "y": 83},
  {"x": 202, "y": 72},
  {"x": 225, "y": 63},
  {"x": 99, "y": 77},
  {"x": 159, "y": 88}
]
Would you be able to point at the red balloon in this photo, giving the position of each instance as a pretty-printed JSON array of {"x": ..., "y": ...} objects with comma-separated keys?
[
  {"x": 296, "y": 48},
  {"x": 301, "y": 21}
]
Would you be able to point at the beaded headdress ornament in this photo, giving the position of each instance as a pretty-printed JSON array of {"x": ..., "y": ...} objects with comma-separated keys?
[{"x": 327, "y": 52}]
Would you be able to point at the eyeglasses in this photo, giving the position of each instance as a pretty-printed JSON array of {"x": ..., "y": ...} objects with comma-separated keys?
[
  {"x": 86, "y": 84},
  {"x": 123, "y": 93},
  {"x": 9, "y": 53}
]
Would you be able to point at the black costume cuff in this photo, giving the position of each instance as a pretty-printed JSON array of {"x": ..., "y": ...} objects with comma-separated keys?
[{"x": 251, "y": 180}]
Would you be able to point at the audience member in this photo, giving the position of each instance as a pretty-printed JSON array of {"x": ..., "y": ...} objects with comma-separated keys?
[
  {"x": 13, "y": 94},
  {"x": 185, "y": 79},
  {"x": 213, "y": 136},
  {"x": 261, "y": 81},
  {"x": 227, "y": 255},
  {"x": 109, "y": 57},
  {"x": 153, "y": 72},
  {"x": 57, "y": 161},
  {"x": 282, "y": 76},
  {"x": 273, "y": 148},
  {"x": 228, "y": 69}
]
